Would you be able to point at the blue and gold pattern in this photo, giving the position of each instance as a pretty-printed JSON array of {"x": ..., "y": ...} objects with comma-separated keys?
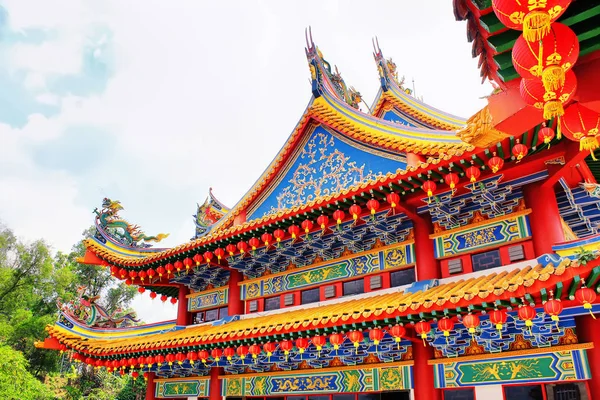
[
  {"x": 208, "y": 299},
  {"x": 397, "y": 377},
  {"x": 326, "y": 163},
  {"x": 545, "y": 367},
  {"x": 493, "y": 233},
  {"x": 174, "y": 388},
  {"x": 394, "y": 257}
]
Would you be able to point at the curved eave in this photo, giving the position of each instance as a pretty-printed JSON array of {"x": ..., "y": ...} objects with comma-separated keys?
[{"x": 495, "y": 286}]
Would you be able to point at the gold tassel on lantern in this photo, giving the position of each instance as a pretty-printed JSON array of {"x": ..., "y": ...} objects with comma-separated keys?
[
  {"x": 536, "y": 25},
  {"x": 553, "y": 78},
  {"x": 589, "y": 143},
  {"x": 553, "y": 109}
]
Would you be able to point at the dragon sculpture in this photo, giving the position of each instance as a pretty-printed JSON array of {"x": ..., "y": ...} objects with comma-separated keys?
[
  {"x": 87, "y": 311},
  {"x": 109, "y": 221},
  {"x": 208, "y": 214}
]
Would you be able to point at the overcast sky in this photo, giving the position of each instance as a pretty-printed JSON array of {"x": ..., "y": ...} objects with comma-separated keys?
[{"x": 153, "y": 102}]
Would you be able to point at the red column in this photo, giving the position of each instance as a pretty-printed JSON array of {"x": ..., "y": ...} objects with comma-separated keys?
[
  {"x": 150, "y": 387},
  {"x": 587, "y": 332},
  {"x": 544, "y": 220},
  {"x": 214, "y": 388},
  {"x": 236, "y": 305},
  {"x": 183, "y": 316},
  {"x": 423, "y": 373},
  {"x": 427, "y": 267}
]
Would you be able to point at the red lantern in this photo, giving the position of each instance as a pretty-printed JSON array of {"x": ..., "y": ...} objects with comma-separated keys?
[
  {"x": 445, "y": 325},
  {"x": 355, "y": 337},
  {"x": 373, "y": 206},
  {"x": 279, "y": 234},
  {"x": 319, "y": 341},
  {"x": 294, "y": 230},
  {"x": 266, "y": 238},
  {"x": 159, "y": 359},
  {"x": 451, "y": 179},
  {"x": 160, "y": 270},
  {"x": 527, "y": 313},
  {"x": 552, "y": 102},
  {"x": 242, "y": 351},
  {"x": 553, "y": 308},
  {"x": 149, "y": 361},
  {"x": 187, "y": 262},
  {"x": 173, "y": 300},
  {"x": 178, "y": 266},
  {"x": 307, "y": 225},
  {"x": 338, "y": 216},
  {"x": 163, "y": 298},
  {"x": 216, "y": 354},
  {"x": 208, "y": 256},
  {"x": 270, "y": 348},
  {"x": 229, "y": 352},
  {"x": 519, "y": 151},
  {"x": 123, "y": 273},
  {"x": 132, "y": 275},
  {"x": 135, "y": 375},
  {"x": 242, "y": 247},
  {"x": 473, "y": 173},
  {"x": 180, "y": 357},
  {"x": 495, "y": 163},
  {"x": 498, "y": 318},
  {"x": 151, "y": 273},
  {"x": 376, "y": 335},
  {"x": 548, "y": 58},
  {"x": 422, "y": 328},
  {"x": 231, "y": 249},
  {"x": 192, "y": 356},
  {"x": 128, "y": 281},
  {"x": 533, "y": 17},
  {"x": 355, "y": 211},
  {"x": 286, "y": 346},
  {"x": 152, "y": 295},
  {"x": 254, "y": 350},
  {"x": 393, "y": 199},
  {"x": 169, "y": 268},
  {"x": 547, "y": 134},
  {"x": 397, "y": 332},
  {"x": 141, "y": 289},
  {"x": 114, "y": 270},
  {"x": 323, "y": 220},
  {"x": 220, "y": 253},
  {"x": 429, "y": 188},
  {"x": 471, "y": 322},
  {"x": 142, "y": 274},
  {"x": 198, "y": 258},
  {"x": 254, "y": 243},
  {"x": 301, "y": 344},
  {"x": 581, "y": 124},
  {"x": 336, "y": 339},
  {"x": 586, "y": 296},
  {"x": 170, "y": 359},
  {"x": 203, "y": 355}
]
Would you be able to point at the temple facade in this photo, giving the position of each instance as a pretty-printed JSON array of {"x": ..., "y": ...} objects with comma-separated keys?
[{"x": 400, "y": 253}]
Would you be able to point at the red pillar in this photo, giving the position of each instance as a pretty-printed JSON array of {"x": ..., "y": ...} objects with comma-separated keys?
[
  {"x": 236, "y": 305},
  {"x": 423, "y": 373},
  {"x": 214, "y": 388},
  {"x": 183, "y": 316},
  {"x": 427, "y": 267},
  {"x": 150, "y": 387},
  {"x": 544, "y": 220},
  {"x": 587, "y": 332}
]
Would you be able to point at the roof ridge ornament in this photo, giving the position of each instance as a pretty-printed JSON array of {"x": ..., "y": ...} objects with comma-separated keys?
[{"x": 387, "y": 69}]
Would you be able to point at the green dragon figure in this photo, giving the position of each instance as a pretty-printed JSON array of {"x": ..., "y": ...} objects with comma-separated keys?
[{"x": 109, "y": 221}]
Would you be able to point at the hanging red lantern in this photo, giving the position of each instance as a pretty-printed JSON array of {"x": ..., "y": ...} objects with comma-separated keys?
[
  {"x": 499, "y": 318},
  {"x": 229, "y": 352},
  {"x": 548, "y": 58},
  {"x": 307, "y": 226},
  {"x": 519, "y": 151},
  {"x": 533, "y": 17},
  {"x": 429, "y": 188},
  {"x": 231, "y": 249},
  {"x": 553, "y": 308},
  {"x": 242, "y": 247},
  {"x": 471, "y": 322},
  {"x": 197, "y": 259},
  {"x": 254, "y": 350},
  {"x": 142, "y": 274},
  {"x": 149, "y": 361},
  {"x": 123, "y": 273},
  {"x": 551, "y": 102},
  {"x": 323, "y": 221},
  {"x": 254, "y": 243},
  {"x": 473, "y": 173},
  {"x": 135, "y": 375},
  {"x": 397, "y": 332},
  {"x": 161, "y": 271},
  {"x": 266, "y": 238},
  {"x": 163, "y": 298},
  {"x": 173, "y": 300},
  {"x": 180, "y": 357},
  {"x": 319, "y": 341},
  {"x": 286, "y": 346},
  {"x": 169, "y": 268},
  {"x": 170, "y": 359},
  {"x": 581, "y": 124},
  {"x": 355, "y": 211},
  {"x": 220, "y": 253},
  {"x": 586, "y": 297},
  {"x": 208, "y": 256},
  {"x": 270, "y": 348},
  {"x": 547, "y": 134},
  {"x": 373, "y": 206},
  {"x": 495, "y": 163},
  {"x": 294, "y": 231},
  {"x": 160, "y": 359},
  {"x": 203, "y": 356},
  {"x": 128, "y": 282},
  {"x": 279, "y": 234},
  {"x": 375, "y": 335},
  {"x": 178, "y": 266},
  {"x": 422, "y": 328},
  {"x": 188, "y": 263},
  {"x": 527, "y": 314},
  {"x": 114, "y": 270},
  {"x": 152, "y": 295},
  {"x": 446, "y": 325},
  {"x": 216, "y": 354},
  {"x": 393, "y": 199},
  {"x": 151, "y": 273},
  {"x": 355, "y": 337},
  {"x": 336, "y": 339},
  {"x": 242, "y": 351},
  {"x": 141, "y": 289},
  {"x": 338, "y": 216},
  {"x": 451, "y": 180},
  {"x": 192, "y": 356},
  {"x": 133, "y": 275},
  {"x": 302, "y": 344}
]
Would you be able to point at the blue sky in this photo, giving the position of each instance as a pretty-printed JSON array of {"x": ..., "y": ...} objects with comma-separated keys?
[{"x": 152, "y": 104}]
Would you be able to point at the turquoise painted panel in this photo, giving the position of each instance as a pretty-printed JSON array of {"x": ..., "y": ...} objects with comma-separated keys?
[{"x": 182, "y": 388}]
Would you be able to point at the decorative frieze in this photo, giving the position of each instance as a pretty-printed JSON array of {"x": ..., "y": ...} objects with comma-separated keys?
[
  {"x": 208, "y": 299},
  {"x": 182, "y": 387}
]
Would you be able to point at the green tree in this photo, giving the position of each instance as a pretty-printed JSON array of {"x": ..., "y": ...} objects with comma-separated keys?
[{"x": 16, "y": 382}]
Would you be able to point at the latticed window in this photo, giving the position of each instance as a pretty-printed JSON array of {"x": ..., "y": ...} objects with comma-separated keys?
[{"x": 272, "y": 303}]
